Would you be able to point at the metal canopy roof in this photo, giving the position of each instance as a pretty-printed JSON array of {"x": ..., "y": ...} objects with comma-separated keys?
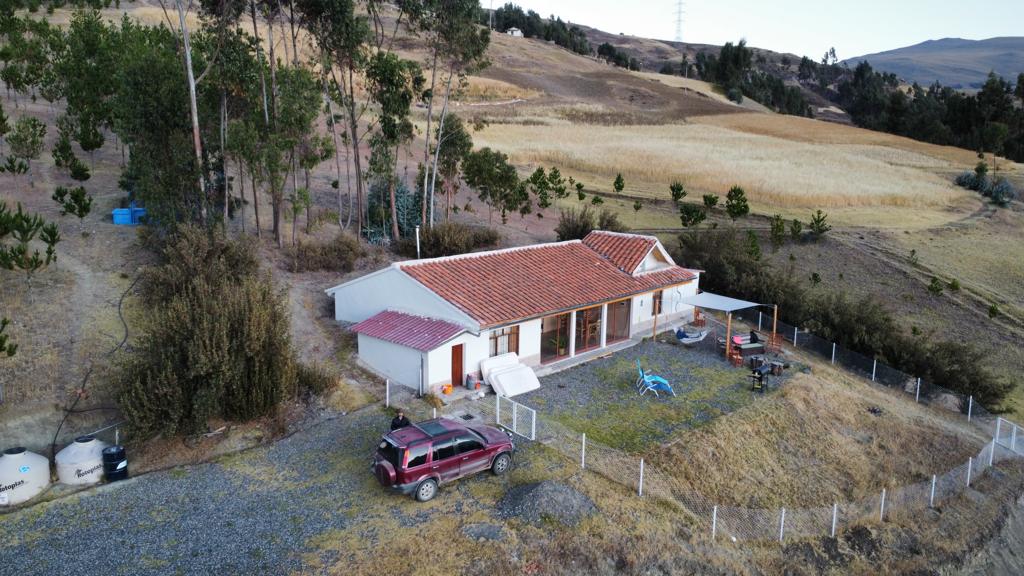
[{"x": 717, "y": 302}]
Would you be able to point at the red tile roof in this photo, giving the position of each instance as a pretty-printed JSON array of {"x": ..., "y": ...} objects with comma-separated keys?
[
  {"x": 407, "y": 330},
  {"x": 626, "y": 251},
  {"x": 503, "y": 286}
]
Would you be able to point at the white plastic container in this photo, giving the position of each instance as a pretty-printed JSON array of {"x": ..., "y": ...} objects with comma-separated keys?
[
  {"x": 23, "y": 475},
  {"x": 81, "y": 462}
]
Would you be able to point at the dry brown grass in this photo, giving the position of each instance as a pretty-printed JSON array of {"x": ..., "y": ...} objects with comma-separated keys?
[
  {"x": 490, "y": 90},
  {"x": 778, "y": 173},
  {"x": 815, "y": 442}
]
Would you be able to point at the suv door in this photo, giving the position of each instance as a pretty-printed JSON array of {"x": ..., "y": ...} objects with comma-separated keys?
[
  {"x": 473, "y": 456},
  {"x": 444, "y": 459}
]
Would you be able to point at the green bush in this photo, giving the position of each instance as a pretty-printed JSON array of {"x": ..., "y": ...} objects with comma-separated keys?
[
  {"x": 215, "y": 342},
  {"x": 448, "y": 239},
  {"x": 313, "y": 378},
  {"x": 575, "y": 224},
  {"x": 609, "y": 221},
  {"x": 339, "y": 254}
]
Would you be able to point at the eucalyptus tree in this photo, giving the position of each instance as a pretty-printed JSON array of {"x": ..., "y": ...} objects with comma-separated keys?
[
  {"x": 454, "y": 146},
  {"x": 394, "y": 83},
  {"x": 461, "y": 47}
]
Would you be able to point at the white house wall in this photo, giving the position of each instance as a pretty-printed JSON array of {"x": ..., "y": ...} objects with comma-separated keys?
[
  {"x": 672, "y": 311},
  {"x": 398, "y": 363},
  {"x": 477, "y": 348},
  {"x": 392, "y": 289}
]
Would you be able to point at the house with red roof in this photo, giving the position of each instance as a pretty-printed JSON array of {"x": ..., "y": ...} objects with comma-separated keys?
[{"x": 427, "y": 323}]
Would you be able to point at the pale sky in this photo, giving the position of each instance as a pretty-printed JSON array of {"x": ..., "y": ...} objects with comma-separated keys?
[{"x": 803, "y": 28}]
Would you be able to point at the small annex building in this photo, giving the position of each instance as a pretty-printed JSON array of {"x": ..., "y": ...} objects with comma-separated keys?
[{"x": 427, "y": 323}]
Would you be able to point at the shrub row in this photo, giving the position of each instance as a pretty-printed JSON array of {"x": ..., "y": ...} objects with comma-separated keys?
[
  {"x": 448, "y": 239},
  {"x": 862, "y": 325},
  {"x": 339, "y": 254}
]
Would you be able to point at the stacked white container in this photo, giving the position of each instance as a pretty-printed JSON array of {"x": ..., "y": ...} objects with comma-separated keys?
[
  {"x": 23, "y": 475},
  {"x": 81, "y": 462}
]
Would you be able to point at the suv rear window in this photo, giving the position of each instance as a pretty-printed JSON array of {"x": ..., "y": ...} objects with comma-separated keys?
[
  {"x": 391, "y": 453},
  {"x": 416, "y": 455}
]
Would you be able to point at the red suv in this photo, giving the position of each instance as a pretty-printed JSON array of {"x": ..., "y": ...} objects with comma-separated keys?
[{"x": 417, "y": 459}]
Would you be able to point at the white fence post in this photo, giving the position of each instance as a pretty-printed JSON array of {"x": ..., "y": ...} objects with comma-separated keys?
[
  {"x": 387, "y": 393},
  {"x": 117, "y": 436},
  {"x": 435, "y": 412},
  {"x": 970, "y": 465},
  {"x": 999, "y": 422},
  {"x": 992, "y": 452},
  {"x": 917, "y": 394},
  {"x": 782, "y": 524},
  {"x": 583, "y": 452},
  {"x": 714, "y": 521},
  {"x": 795, "y": 331},
  {"x": 835, "y": 517},
  {"x": 759, "y": 320},
  {"x": 931, "y": 498},
  {"x": 640, "y": 488},
  {"x": 833, "y": 352},
  {"x": 874, "y": 366},
  {"x": 533, "y": 424},
  {"x": 1013, "y": 439},
  {"x": 497, "y": 409},
  {"x": 515, "y": 417},
  {"x": 970, "y": 407},
  {"x": 881, "y": 509}
]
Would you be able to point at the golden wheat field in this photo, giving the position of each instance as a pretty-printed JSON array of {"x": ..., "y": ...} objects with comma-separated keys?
[{"x": 782, "y": 173}]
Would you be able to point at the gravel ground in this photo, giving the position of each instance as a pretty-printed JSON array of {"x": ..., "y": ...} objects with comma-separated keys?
[
  {"x": 251, "y": 513},
  {"x": 548, "y": 500}
]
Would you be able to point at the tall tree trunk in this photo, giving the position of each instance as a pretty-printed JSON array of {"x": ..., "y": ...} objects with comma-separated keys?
[
  {"x": 309, "y": 204},
  {"x": 440, "y": 139},
  {"x": 241, "y": 192},
  {"x": 255, "y": 201},
  {"x": 259, "y": 57},
  {"x": 394, "y": 205},
  {"x": 334, "y": 137},
  {"x": 426, "y": 144},
  {"x": 353, "y": 125},
  {"x": 276, "y": 189},
  {"x": 291, "y": 24},
  {"x": 196, "y": 140},
  {"x": 223, "y": 154}
]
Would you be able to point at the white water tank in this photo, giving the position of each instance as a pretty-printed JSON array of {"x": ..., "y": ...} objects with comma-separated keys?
[
  {"x": 81, "y": 462},
  {"x": 23, "y": 475}
]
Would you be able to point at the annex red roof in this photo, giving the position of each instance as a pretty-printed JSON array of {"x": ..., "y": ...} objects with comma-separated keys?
[
  {"x": 503, "y": 286},
  {"x": 626, "y": 251},
  {"x": 416, "y": 332}
]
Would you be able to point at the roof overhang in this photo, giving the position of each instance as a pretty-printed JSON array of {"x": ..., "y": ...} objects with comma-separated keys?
[{"x": 717, "y": 302}]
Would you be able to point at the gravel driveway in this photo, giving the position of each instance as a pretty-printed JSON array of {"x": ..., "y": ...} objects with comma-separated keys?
[{"x": 251, "y": 513}]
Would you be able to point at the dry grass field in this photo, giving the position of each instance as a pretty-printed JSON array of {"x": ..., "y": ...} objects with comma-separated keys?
[{"x": 859, "y": 183}]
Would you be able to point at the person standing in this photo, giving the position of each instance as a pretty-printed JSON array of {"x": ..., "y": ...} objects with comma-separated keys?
[{"x": 400, "y": 421}]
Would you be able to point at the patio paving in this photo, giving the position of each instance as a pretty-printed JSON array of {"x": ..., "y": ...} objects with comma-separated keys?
[{"x": 600, "y": 399}]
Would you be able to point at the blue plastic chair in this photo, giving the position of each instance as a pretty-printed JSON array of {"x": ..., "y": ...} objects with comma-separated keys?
[{"x": 649, "y": 382}]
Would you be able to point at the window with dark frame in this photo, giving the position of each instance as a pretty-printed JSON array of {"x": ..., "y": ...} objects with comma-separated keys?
[
  {"x": 656, "y": 303},
  {"x": 504, "y": 340}
]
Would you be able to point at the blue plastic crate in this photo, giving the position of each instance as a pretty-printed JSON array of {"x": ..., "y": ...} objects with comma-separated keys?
[{"x": 122, "y": 217}]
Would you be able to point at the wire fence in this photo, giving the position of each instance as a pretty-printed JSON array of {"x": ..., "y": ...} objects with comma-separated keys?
[{"x": 734, "y": 523}]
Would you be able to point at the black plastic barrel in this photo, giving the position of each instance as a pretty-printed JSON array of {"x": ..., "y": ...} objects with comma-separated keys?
[{"x": 115, "y": 463}]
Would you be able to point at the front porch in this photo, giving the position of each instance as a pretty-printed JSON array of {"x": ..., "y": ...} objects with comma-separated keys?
[{"x": 569, "y": 362}]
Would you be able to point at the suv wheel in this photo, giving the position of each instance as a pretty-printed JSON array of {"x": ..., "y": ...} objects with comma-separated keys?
[
  {"x": 426, "y": 490},
  {"x": 501, "y": 464}
]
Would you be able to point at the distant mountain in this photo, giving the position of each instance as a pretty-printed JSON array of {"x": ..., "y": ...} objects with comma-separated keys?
[{"x": 952, "y": 61}]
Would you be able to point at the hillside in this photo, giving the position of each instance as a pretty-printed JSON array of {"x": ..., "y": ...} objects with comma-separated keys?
[{"x": 952, "y": 62}]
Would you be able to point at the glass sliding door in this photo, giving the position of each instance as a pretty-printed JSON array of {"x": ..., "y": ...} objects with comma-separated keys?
[
  {"x": 588, "y": 329},
  {"x": 554, "y": 338},
  {"x": 618, "y": 321}
]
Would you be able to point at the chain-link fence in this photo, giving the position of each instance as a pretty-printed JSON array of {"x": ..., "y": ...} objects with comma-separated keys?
[{"x": 738, "y": 523}]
